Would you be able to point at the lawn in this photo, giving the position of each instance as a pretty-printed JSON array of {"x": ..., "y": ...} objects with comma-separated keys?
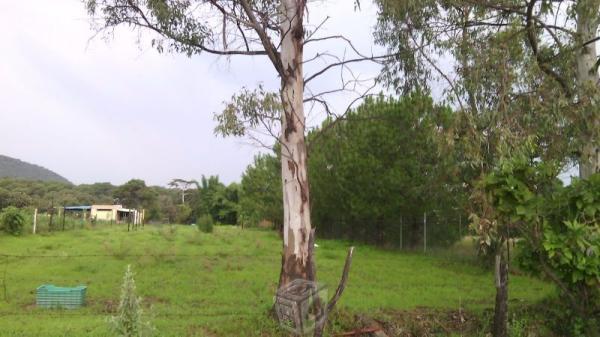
[{"x": 221, "y": 284}]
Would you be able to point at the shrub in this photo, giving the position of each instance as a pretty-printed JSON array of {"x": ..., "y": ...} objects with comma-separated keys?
[
  {"x": 129, "y": 321},
  {"x": 561, "y": 236},
  {"x": 183, "y": 214},
  {"x": 169, "y": 233},
  {"x": 205, "y": 223},
  {"x": 119, "y": 250},
  {"x": 12, "y": 221}
]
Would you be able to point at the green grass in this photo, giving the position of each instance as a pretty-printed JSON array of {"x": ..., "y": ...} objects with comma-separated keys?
[{"x": 226, "y": 286}]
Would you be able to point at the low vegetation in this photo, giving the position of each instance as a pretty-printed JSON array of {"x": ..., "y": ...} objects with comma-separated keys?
[
  {"x": 12, "y": 221},
  {"x": 219, "y": 284}
]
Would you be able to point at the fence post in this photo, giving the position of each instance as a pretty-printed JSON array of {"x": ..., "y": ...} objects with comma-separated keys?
[
  {"x": 401, "y": 225},
  {"x": 34, "y": 220},
  {"x": 425, "y": 232},
  {"x": 5, "y": 291}
]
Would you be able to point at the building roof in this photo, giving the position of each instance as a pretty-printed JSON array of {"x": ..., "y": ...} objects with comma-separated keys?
[{"x": 77, "y": 208}]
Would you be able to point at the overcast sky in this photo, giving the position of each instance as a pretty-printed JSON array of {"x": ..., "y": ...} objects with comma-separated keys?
[{"x": 96, "y": 111}]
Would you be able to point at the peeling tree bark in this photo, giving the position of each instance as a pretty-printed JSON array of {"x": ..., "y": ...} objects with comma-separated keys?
[
  {"x": 588, "y": 80},
  {"x": 296, "y": 258}
]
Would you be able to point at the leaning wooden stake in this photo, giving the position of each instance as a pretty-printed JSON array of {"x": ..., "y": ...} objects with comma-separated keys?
[{"x": 320, "y": 326}]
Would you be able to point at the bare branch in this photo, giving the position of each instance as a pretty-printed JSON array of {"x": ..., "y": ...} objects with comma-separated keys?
[
  {"x": 338, "y": 293},
  {"x": 270, "y": 49},
  {"x": 531, "y": 36},
  {"x": 343, "y": 63}
]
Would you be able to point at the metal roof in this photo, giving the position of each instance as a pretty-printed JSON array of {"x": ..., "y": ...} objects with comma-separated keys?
[{"x": 77, "y": 208}]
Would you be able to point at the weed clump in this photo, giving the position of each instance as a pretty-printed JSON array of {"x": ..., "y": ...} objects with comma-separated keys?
[
  {"x": 119, "y": 251},
  {"x": 12, "y": 221},
  {"x": 129, "y": 321},
  {"x": 169, "y": 233},
  {"x": 205, "y": 223}
]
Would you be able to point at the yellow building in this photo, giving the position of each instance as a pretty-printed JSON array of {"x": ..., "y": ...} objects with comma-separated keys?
[
  {"x": 105, "y": 212},
  {"x": 115, "y": 213}
]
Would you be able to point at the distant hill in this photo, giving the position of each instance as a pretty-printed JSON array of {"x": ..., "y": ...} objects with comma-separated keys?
[{"x": 15, "y": 168}]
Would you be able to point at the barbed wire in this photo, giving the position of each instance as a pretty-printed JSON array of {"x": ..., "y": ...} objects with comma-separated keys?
[
  {"x": 87, "y": 314},
  {"x": 121, "y": 255}
]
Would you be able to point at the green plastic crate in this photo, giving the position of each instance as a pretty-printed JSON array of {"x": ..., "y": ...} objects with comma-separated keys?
[{"x": 50, "y": 296}]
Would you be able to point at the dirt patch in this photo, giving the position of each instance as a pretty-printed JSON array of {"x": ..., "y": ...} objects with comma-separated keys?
[
  {"x": 151, "y": 300},
  {"x": 108, "y": 306},
  {"x": 419, "y": 322},
  {"x": 29, "y": 306}
]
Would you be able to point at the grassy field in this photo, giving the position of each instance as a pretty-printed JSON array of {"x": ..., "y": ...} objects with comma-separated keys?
[{"x": 221, "y": 284}]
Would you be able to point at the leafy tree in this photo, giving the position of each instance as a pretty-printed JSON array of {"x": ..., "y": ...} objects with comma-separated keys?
[
  {"x": 384, "y": 163},
  {"x": 486, "y": 43},
  {"x": 184, "y": 213},
  {"x": 260, "y": 192},
  {"x": 513, "y": 72},
  {"x": 225, "y": 204},
  {"x": 11, "y": 198},
  {"x": 560, "y": 229},
  {"x": 135, "y": 194},
  {"x": 217, "y": 200},
  {"x": 182, "y": 185},
  {"x": 188, "y": 27}
]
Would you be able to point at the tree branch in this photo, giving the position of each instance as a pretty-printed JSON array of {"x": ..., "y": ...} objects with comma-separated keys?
[
  {"x": 270, "y": 49},
  {"x": 531, "y": 36},
  {"x": 320, "y": 326}
]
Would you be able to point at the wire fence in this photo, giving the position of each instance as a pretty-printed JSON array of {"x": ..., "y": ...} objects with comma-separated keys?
[{"x": 20, "y": 300}]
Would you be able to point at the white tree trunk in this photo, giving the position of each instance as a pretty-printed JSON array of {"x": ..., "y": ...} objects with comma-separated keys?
[
  {"x": 588, "y": 21},
  {"x": 297, "y": 259}
]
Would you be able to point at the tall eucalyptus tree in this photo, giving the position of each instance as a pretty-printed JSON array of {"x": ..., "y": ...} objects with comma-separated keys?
[
  {"x": 276, "y": 30},
  {"x": 516, "y": 70}
]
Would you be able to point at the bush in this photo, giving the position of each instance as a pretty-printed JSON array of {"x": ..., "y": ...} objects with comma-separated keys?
[
  {"x": 12, "y": 221},
  {"x": 561, "y": 235},
  {"x": 169, "y": 233},
  {"x": 205, "y": 223},
  {"x": 183, "y": 214},
  {"x": 129, "y": 321}
]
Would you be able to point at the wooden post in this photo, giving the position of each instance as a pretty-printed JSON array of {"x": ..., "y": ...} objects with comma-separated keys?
[
  {"x": 401, "y": 225},
  {"x": 84, "y": 217},
  {"x": 425, "y": 232},
  {"x": 4, "y": 286},
  {"x": 50, "y": 224},
  {"x": 34, "y": 220},
  {"x": 63, "y": 219}
]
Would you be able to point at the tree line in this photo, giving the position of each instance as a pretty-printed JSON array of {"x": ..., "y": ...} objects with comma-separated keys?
[
  {"x": 163, "y": 205},
  {"x": 374, "y": 174}
]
